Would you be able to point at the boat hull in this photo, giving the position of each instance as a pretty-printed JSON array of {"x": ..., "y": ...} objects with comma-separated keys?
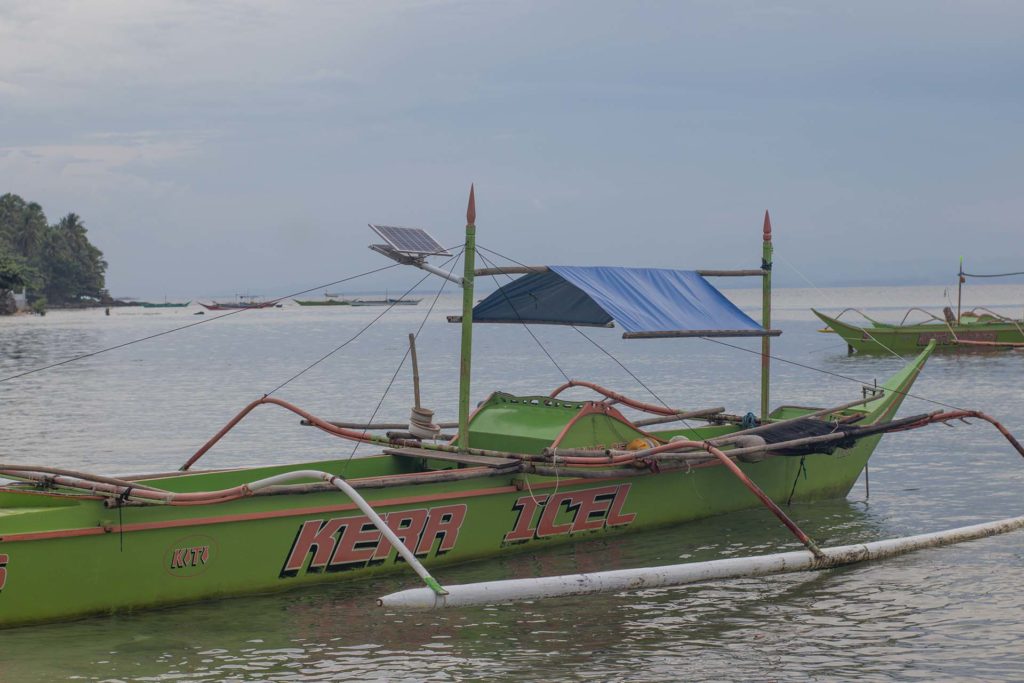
[
  {"x": 151, "y": 556},
  {"x": 385, "y": 302},
  {"x": 64, "y": 555},
  {"x": 323, "y": 302},
  {"x": 909, "y": 339},
  {"x": 231, "y": 307}
]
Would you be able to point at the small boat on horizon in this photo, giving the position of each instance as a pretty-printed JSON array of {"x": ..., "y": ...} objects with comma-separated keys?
[
  {"x": 218, "y": 306},
  {"x": 323, "y": 302},
  {"x": 386, "y": 301},
  {"x": 976, "y": 329},
  {"x": 244, "y": 301},
  {"x": 165, "y": 304}
]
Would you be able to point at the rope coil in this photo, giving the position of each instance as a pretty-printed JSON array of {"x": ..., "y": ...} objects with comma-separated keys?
[{"x": 421, "y": 423}]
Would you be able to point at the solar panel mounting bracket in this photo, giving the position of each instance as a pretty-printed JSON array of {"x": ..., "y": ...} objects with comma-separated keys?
[{"x": 411, "y": 247}]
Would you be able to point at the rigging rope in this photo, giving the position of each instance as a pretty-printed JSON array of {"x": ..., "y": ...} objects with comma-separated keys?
[
  {"x": 550, "y": 357},
  {"x": 585, "y": 336},
  {"x": 784, "y": 360},
  {"x": 815, "y": 288},
  {"x": 630, "y": 373},
  {"x": 454, "y": 260},
  {"x": 516, "y": 311},
  {"x": 357, "y": 334},
  {"x": 185, "y": 327},
  {"x": 827, "y": 372}
]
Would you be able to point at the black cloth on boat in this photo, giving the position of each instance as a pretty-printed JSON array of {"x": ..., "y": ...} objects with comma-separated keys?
[{"x": 801, "y": 429}]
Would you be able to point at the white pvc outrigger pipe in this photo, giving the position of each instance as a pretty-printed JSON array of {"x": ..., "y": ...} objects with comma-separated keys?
[
  {"x": 490, "y": 592},
  {"x": 407, "y": 555}
]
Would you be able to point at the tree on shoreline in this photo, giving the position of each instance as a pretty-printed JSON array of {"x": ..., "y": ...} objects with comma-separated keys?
[{"x": 57, "y": 262}]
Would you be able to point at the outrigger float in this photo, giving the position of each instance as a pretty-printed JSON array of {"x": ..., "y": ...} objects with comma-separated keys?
[
  {"x": 976, "y": 329},
  {"x": 521, "y": 472}
]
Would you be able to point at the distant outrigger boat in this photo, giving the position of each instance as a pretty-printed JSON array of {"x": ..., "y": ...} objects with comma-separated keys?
[
  {"x": 522, "y": 472},
  {"x": 166, "y": 304},
  {"x": 386, "y": 301},
  {"x": 323, "y": 302},
  {"x": 244, "y": 301},
  {"x": 976, "y": 329},
  {"x": 330, "y": 299}
]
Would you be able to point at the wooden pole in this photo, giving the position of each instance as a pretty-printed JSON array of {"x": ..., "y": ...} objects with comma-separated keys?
[
  {"x": 465, "y": 363},
  {"x": 523, "y": 270},
  {"x": 415, "y": 370},
  {"x": 766, "y": 312},
  {"x": 699, "y": 414},
  {"x": 959, "y": 288}
]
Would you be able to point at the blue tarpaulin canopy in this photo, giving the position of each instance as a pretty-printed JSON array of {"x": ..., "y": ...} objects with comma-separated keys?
[{"x": 645, "y": 302}]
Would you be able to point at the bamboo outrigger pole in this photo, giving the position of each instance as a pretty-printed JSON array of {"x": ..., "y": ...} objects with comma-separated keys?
[
  {"x": 766, "y": 312},
  {"x": 465, "y": 362},
  {"x": 495, "y": 592}
]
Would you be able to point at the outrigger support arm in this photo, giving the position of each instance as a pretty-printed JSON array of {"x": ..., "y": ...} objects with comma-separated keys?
[
  {"x": 381, "y": 525},
  {"x": 415, "y": 261}
]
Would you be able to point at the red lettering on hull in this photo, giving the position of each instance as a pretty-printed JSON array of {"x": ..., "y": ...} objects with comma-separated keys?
[
  {"x": 592, "y": 508},
  {"x": 444, "y": 523},
  {"x": 356, "y": 543},
  {"x": 313, "y": 534},
  {"x": 353, "y": 542},
  {"x": 615, "y": 516},
  {"x": 586, "y": 510},
  {"x": 547, "y": 527},
  {"x": 190, "y": 557},
  {"x": 4, "y": 559},
  {"x": 408, "y": 526},
  {"x": 523, "y": 529}
]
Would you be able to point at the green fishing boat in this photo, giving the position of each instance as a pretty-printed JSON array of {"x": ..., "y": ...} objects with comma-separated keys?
[
  {"x": 976, "y": 329},
  {"x": 323, "y": 302},
  {"x": 522, "y": 471},
  {"x": 972, "y": 330},
  {"x": 165, "y": 304}
]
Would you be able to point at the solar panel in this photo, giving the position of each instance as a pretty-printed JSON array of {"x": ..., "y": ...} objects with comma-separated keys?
[{"x": 409, "y": 240}]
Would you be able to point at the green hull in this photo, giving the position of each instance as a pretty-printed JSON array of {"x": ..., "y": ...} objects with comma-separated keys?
[
  {"x": 147, "y": 304},
  {"x": 323, "y": 302},
  {"x": 64, "y": 555},
  {"x": 971, "y": 334}
]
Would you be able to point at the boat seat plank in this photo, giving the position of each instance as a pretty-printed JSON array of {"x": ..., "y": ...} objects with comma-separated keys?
[{"x": 461, "y": 458}]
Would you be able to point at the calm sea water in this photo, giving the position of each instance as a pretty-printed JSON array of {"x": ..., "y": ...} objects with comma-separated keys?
[{"x": 951, "y": 613}]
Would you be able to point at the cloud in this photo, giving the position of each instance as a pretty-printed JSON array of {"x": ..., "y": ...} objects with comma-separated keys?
[
  {"x": 103, "y": 161},
  {"x": 219, "y": 127},
  {"x": 59, "y": 50}
]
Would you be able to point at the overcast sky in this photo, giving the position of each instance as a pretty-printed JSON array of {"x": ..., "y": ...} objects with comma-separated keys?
[{"x": 216, "y": 147}]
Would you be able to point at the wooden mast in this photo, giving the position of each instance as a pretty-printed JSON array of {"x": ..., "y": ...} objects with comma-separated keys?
[
  {"x": 766, "y": 312},
  {"x": 959, "y": 288},
  {"x": 465, "y": 362}
]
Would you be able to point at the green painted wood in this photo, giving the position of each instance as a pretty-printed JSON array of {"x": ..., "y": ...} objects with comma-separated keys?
[
  {"x": 103, "y": 560},
  {"x": 466, "y": 349},
  {"x": 907, "y": 339}
]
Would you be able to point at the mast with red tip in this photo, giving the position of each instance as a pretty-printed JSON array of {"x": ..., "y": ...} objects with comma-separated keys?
[
  {"x": 766, "y": 312},
  {"x": 466, "y": 357}
]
